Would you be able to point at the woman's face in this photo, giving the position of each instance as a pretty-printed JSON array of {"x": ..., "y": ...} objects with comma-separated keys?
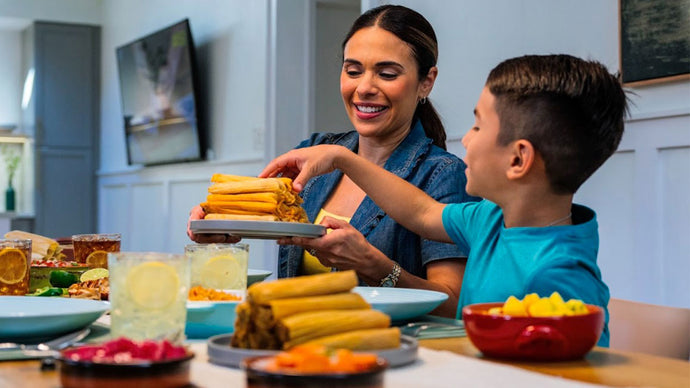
[{"x": 379, "y": 84}]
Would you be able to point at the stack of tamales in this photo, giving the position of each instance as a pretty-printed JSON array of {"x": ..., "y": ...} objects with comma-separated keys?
[
  {"x": 316, "y": 309},
  {"x": 233, "y": 197}
]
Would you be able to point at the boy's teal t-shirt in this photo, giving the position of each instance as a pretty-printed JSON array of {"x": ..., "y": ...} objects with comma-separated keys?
[{"x": 517, "y": 261}]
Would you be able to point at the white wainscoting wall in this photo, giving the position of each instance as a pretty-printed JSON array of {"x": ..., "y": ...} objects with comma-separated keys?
[{"x": 149, "y": 206}]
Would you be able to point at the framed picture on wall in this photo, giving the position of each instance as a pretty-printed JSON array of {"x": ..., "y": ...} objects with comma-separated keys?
[{"x": 654, "y": 41}]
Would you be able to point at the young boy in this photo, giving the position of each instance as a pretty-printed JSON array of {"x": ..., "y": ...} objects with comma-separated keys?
[{"x": 543, "y": 125}]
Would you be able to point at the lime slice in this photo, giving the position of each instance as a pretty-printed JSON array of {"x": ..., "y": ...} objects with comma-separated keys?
[
  {"x": 12, "y": 266},
  {"x": 94, "y": 274},
  {"x": 153, "y": 285},
  {"x": 97, "y": 259},
  {"x": 221, "y": 272}
]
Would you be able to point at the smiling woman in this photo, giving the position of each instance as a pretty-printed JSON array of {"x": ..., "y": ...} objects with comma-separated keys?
[{"x": 388, "y": 72}]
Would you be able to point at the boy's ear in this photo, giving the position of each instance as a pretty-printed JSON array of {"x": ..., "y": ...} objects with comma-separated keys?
[{"x": 521, "y": 160}]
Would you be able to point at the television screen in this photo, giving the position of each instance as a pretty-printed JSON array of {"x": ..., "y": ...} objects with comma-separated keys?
[{"x": 160, "y": 97}]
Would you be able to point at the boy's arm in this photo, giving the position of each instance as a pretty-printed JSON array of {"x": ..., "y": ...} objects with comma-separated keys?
[{"x": 404, "y": 202}]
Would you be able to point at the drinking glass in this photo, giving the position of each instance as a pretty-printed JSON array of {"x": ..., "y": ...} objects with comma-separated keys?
[
  {"x": 148, "y": 295},
  {"x": 93, "y": 249},
  {"x": 219, "y": 266},
  {"x": 15, "y": 266}
]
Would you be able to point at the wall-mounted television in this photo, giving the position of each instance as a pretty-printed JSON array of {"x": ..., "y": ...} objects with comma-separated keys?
[{"x": 160, "y": 97}]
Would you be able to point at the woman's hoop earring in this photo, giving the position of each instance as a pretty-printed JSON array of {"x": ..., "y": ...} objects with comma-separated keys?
[{"x": 422, "y": 100}]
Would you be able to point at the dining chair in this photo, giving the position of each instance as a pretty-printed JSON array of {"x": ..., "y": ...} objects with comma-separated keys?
[{"x": 648, "y": 328}]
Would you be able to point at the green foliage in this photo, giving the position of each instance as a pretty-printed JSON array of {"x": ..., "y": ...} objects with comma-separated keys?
[{"x": 12, "y": 158}]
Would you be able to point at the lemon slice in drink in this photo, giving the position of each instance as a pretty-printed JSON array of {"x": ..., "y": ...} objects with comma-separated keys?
[
  {"x": 153, "y": 285},
  {"x": 97, "y": 259},
  {"x": 12, "y": 266},
  {"x": 221, "y": 272}
]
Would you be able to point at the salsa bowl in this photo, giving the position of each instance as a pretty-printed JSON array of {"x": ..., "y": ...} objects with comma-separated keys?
[
  {"x": 532, "y": 338},
  {"x": 258, "y": 376},
  {"x": 166, "y": 372}
]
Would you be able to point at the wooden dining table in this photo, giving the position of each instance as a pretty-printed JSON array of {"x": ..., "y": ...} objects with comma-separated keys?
[{"x": 600, "y": 366}]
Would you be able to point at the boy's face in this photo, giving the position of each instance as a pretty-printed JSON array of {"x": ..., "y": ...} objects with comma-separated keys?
[{"x": 486, "y": 160}]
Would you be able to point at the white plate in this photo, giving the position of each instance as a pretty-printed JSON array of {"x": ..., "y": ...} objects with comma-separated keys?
[
  {"x": 256, "y": 275},
  {"x": 401, "y": 303},
  {"x": 257, "y": 229},
  {"x": 221, "y": 353},
  {"x": 34, "y": 318}
]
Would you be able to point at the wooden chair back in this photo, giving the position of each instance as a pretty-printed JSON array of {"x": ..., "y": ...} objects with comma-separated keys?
[{"x": 647, "y": 328}]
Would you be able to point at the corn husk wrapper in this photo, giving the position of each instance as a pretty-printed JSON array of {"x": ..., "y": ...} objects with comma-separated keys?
[
  {"x": 321, "y": 284},
  {"x": 241, "y": 217},
  {"x": 42, "y": 248},
  {"x": 369, "y": 339},
  {"x": 299, "y": 328}
]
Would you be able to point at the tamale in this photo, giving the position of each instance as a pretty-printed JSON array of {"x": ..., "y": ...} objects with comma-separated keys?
[
  {"x": 231, "y": 178},
  {"x": 313, "y": 285},
  {"x": 242, "y": 217},
  {"x": 41, "y": 247},
  {"x": 252, "y": 186},
  {"x": 281, "y": 308},
  {"x": 300, "y": 328},
  {"x": 245, "y": 197},
  {"x": 369, "y": 339},
  {"x": 247, "y": 206},
  {"x": 266, "y": 316}
]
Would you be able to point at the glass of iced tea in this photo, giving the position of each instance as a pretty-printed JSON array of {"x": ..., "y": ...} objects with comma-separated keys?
[
  {"x": 15, "y": 266},
  {"x": 219, "y": 266},
  {"x": 93, "y": 249},
  {"x": 148, "y": 295}
]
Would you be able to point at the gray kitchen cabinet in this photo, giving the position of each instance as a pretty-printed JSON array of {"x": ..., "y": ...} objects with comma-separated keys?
[{"x": 66, "y": 58}]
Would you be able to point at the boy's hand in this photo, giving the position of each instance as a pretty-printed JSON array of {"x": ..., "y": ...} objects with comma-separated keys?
[{"x": 303, "y": 164}]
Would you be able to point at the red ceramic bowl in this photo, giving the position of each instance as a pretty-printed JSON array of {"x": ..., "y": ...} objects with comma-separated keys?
[
  {"x": 259, "y": 377},
  {"x": 532, "y": 338}
]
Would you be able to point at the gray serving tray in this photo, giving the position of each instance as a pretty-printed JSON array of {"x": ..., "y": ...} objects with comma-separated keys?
[
  {"x": 221, "y": 353},
  {"x": 257, "y": 229}
]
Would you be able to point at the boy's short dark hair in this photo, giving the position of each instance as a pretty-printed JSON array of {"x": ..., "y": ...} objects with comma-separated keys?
[{"x": 570, "y": 109}]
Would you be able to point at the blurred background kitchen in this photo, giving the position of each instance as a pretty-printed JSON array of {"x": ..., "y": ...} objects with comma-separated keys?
[{"x": 269, "y": 75}]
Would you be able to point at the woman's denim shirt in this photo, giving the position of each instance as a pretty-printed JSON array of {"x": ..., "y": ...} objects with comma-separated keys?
[{"x": 437, "y": 172}]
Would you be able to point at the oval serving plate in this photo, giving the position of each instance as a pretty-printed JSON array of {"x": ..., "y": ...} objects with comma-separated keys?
[
  {"x": 221, "y": 353},
  {"x": 401, "y": 303},
  {"x": 32, "y": 318},
  {"x": 257, "y": 229}
]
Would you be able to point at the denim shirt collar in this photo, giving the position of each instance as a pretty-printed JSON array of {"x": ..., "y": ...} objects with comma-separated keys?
[{"x": 401, "y": 163}]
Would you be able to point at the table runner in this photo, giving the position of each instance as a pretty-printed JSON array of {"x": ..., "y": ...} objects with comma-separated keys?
[{"x": 437, "y": 369}]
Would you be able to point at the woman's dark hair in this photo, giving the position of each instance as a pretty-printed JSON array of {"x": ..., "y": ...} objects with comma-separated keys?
[{"x": 413, "y": 29}]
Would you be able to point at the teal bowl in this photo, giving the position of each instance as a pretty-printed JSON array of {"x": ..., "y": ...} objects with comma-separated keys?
[{"x": 206, "y": 319}]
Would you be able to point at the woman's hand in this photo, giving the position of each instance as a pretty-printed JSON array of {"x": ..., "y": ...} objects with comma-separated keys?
[
  {"x": 197, "y": 213},
  {"x": 303, "y": 164},
  {"x": 344, "y": 248}
]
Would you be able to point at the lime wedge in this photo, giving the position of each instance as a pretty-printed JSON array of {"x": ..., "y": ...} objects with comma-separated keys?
[
  {"x": 153, "y": 285},
  {"x": 221, "y": 272},
  {"x": 94, "y": 274}
]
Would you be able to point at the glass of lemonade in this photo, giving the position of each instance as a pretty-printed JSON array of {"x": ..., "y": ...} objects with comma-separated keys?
[
  {"x": 15, "y": 266},
  {"x": 93, "y": 249},
  {"x": 148, "y": 295},
  {"x": 219, "y": 266}
]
